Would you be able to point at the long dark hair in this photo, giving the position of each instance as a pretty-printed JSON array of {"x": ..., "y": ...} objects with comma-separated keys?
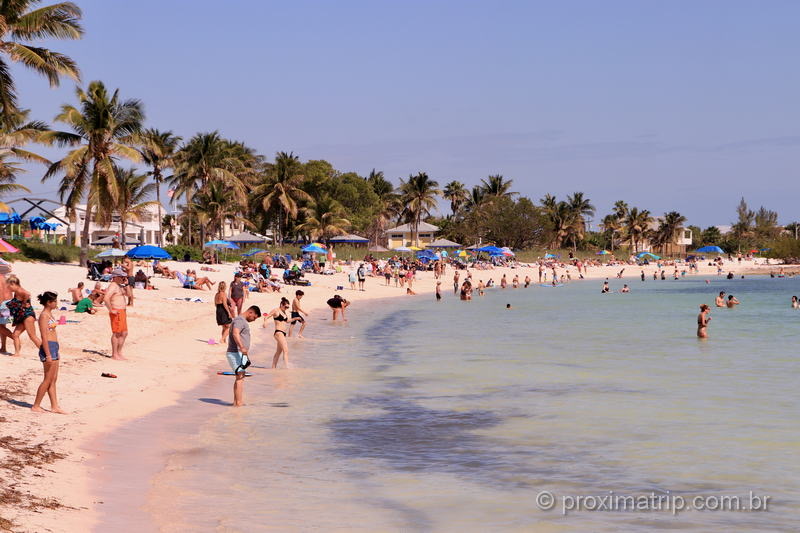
[
  {"x": 284, "y": 301},
  {"x": 46, "y": 297}
]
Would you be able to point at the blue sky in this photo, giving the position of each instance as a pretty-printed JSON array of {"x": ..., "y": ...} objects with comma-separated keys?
[{"x": 679, "y": 105}]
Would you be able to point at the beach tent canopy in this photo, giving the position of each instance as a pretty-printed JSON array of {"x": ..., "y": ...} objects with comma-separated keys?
[
  {"x": 427, "y": 254},
  {"x": 550, "y": 256},
  {"x": 314, "y": 249},
  {"x": 148, "y": 252},
  {"x": 711, "y": 250},
  {"x": 402, "y": 249},
  {"x": 10, "y": 218},
  {"x": 491, "y": 249},
  {"x": 108, "y": 240},
  {"x": 112, "y": 252},
  {"x": 378, "y": 248},
  {"x": 247, "y": 237},
  {"x": 7, "y": 248},
  {"x": 444, "y": 243},
  {"x": 221, "y": 244},
  {"x": 352, "y": 239}
]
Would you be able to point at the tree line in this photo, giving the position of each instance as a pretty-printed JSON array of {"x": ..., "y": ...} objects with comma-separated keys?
[{"x": 116, "y": 166}]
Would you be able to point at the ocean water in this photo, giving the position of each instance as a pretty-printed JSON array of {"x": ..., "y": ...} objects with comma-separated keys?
[{"x": 465, "y": 416}]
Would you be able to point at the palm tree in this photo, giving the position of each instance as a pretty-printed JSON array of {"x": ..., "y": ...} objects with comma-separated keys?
[
  {"x": 207, "y": 158},
  {"x": 21, "y": 24},
  {"x": 620, "y": 209},
  {"x": 561, "y": 217},
  {"x": 158, "y": 149},
  {"x": 102, "y": 125},
  {"x": 476, "y": 197},
  {"x": 668, "y": 229},
  {"x": 388, "y": 207},
  {"x": 611, "y": 227},
  {"x": 215, "y": 204},
  {"x": 497, "y": 186},
  {"x": 15, "y": 133},
  {"x": 637, "y": 226},
  {"x": 418, "y": 194},
  {"x": 132, "y": 202},
  {"x": 456, "y": 194},
  {"x": 282, "y": 189},
  {"x": 580, "y": 208},
  {"x": 324, "y": 219}
]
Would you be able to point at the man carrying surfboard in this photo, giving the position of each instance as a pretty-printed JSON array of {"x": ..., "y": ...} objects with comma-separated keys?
[{"x": 238, "y": 349}]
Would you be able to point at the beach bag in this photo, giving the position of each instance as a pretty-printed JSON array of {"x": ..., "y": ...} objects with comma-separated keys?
[{"x": 245, "y": 363}]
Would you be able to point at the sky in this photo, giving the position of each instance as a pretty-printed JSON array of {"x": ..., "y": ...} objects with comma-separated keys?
[{"x": 678, "y": 105}]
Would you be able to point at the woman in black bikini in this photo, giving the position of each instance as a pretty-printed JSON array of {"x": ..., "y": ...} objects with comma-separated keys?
[
  {"x": 224, "y": 314},
  {"x": 22, "y": 316},
  {"x": 282, "y": 321}
]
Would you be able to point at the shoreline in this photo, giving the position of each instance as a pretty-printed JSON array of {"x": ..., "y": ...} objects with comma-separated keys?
[{"x": 164, "y": 368}]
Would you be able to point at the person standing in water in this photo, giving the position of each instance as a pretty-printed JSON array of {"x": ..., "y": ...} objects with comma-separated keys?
[
  {"x": 702, "y": 321},
  {"x": 732, "y": 302},
  {"x": 282, "y": 321},
  {"x": 438, "y": 290},
  {"x": 117, "y": 312},
  {"x": 238, "y": 348},
  {"x": 224, "y": 313},
  {"x": 455, "y": 282},
  {"x": 719, "y": 301},
  {"x": 297, "y": 314},
  {"x": 48, "y": 354}
]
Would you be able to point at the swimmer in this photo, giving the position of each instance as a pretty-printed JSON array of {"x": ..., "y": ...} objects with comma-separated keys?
[
  {"x": 795, "y": 303},
  {"x": 702, "y": 321},
  {"x": 719, "y": 301},
  {"x": 508, "y": 306},
  {"x": 625, "y": 288},
  {"x": 605, "y": 288},
  {"x": 732, "y": 302}
]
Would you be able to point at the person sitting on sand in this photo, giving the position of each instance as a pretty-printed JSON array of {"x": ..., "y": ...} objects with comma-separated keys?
[
  {"x": 732, "y": 302},
  {"x": 200, "y": 283},
  {"x": 702, "y": 321},
  {"x": 338, "y": 305},
  {"x": 48, "y": 354},
  {"x": 719, "y": 301},
  {"x": 85, "y": 305},
  {"x": 77, "y": 293}
]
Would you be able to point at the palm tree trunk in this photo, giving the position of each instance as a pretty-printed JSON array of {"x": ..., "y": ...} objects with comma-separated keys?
[
  {"x": 160, "y": 216},
  {"x": 122, "y": 227},
  {"x": 84, "y": 255}
]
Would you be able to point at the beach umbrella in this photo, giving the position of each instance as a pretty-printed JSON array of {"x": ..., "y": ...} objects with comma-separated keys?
[
  {"x": 314, "y": 249},
  {"x": 603, "y": 252},
  {"x": 221, "y": 244},
  {"x": 414, "y": 248},
  {"x": 490, "y": 249},
  {"x": 764, "y": 250},
  {"x": 256, "y": 251},
  {"x": 112, "y": 252},
  {"x": 377, "y": 248},
  {"x": 7, "y": 248},
  {"x": 462, "y": 253},
  {"x": 550, "y": 256},
  {"x": 711, "y": 250},
  {"x": 507, "y": 251},
  {"x": 647, "y": 254},
  {"x": 402, "y": 249},
  {"x": 148, "y": 252}
]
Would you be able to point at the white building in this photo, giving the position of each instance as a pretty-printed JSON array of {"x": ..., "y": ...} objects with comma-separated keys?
[{"x": 144, "y": 230}]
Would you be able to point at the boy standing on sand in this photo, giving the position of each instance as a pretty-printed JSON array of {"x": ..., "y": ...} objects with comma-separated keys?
[
  {"x": 238, "y": 348},
  {"x": 115, "y": 301}
]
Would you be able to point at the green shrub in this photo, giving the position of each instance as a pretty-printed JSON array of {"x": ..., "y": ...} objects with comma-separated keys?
[
  {"x": 786, "y": 248},
  {"x": 42, "y": 251},
  {"x": 177, "y": 251}
]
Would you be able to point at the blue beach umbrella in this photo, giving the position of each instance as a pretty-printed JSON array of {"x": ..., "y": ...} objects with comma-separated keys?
[
  {"x": 314, "y": 249},
  {"x": 647, "y": 254},
  {"x": 257, "y": 251},
  {"x": 490, "y": 249},
  {"x": 550, "y": 256},
  {"x": 711, "y": 250},
  {"x": 148, "y": 252},
  {"x": 221, "y": 244}
]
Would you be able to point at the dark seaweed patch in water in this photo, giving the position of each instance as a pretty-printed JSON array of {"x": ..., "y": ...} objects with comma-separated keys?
[{"x": 411, "y": 437}]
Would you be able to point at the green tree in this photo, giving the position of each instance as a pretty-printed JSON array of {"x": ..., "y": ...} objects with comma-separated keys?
[
  {"x": 158, "y": 149},
  {"x": 496, "y": 186},
  {"x": 711, "y": 236},
  {"x": 743, "y": 227},
  {"x": 102, "y": 127},
  {"x": 132, "y": 201},
  {"x": 418, "y": 195},
  {"x": 21, "y": 24},
  {"x": 580, "y": 209},
  {"x": 765, "y": 224},
  {"x": 282, "y": 189},
  {"x": 637, "y": 226},
  {"x": 668, "y": 230},
  {"x": 612, "y": 226},
  {"x": 324, "y": 218},
  {"x": 15, "y": 133},
  {"x": 456, "y": 194}
]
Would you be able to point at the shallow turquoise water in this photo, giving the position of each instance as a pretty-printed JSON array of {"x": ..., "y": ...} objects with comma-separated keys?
[{"x": 454, "y": 416}]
